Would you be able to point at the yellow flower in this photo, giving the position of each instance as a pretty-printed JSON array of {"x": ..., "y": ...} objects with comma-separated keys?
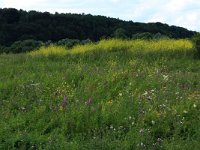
[
  {"x": 110, "y": 102},
  {"x": 61, "y": 108}
]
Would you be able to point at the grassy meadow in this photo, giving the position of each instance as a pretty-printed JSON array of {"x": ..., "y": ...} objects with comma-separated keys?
[{"x": 109, "y": 95}]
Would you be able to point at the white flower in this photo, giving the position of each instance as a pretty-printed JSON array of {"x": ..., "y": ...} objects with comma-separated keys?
[
  {"x": 152, "y": 90},
  {"x": 145, "y": 93},
  {"x": 23, "y": 108},
  {"x": 185, "y": 112},
  {"x": 177, "y": 93},
  {"x": 141, "y": 130},
  {"x": 153, "y": 122},
  {"x": 194, "y": 105},
  {"x": 159, "y": 139},
  {"x": 149, "y": 98},
  {"x": 120, "y": 127},
  {"x": 165, "y": 77},
  {"x": 120, "y": 94}
]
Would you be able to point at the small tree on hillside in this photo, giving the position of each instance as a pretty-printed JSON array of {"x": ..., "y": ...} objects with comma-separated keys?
[
  {"x": 120, "y": 33},
  {"x": 69, "y": 43},
  {"x": 25, "y": 46}
]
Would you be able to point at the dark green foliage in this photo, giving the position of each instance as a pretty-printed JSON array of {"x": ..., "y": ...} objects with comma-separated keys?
[
  {"x": 145, "y": 36},
  {"x": 120, "y": 33},
  {"x": 86, "y": 41},
  {"x": 19, "y": 25},
  {"x": 196, "y": 40},
  {"x": 49, "y": 42},
  {"x": 68, "y": 42},
  {"x": 29, "y": 45},
  {"x": 3, "y": 49},
  {"x": 149, "y": 36},
  {"x": 10, "y": 15},
  {"x": 160, "y": 36},
  {"x": 25, "y": 46}
]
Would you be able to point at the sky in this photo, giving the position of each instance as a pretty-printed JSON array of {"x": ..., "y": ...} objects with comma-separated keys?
[{"x": 184, "y": 13}]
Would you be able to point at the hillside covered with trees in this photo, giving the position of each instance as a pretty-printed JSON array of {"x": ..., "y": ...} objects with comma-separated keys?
[{"x": 19, "y": 25}]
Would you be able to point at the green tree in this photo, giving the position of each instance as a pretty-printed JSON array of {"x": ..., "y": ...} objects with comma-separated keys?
[
  {"x": 25, "y": 46},
  {"x": 120, "y": 33},
  {"x": 68, "y": 42}
]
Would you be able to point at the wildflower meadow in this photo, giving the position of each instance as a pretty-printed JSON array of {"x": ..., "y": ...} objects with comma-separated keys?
[{"x": 108, "y": 95}]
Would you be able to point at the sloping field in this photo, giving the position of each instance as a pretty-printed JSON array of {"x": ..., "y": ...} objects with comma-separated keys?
[{"x": 113, "y": 94}]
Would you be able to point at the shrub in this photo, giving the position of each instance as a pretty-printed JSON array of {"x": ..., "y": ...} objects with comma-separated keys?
[
  {"x": 120, "y": 33},
  {"x": 25, "y": 46},
  {"x": 3, "y": 49},
  {"x": 83, "y": 42},
  {"x": 48, "y": 43},
  {"x": 196, "y": 41},
  {"x": 69, "y": 43}
]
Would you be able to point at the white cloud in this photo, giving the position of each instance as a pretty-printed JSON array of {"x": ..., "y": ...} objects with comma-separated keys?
[
  {"x": 157, "y": 18},
  {"x": 22, "y": 3},
  {"x": 176, "y": 5},
  {"x": 142, "y": 9},
  {"x": 183, "y": 13},
  {"x": 190, "y": 20},
  {"x": 115, "y": 1}
]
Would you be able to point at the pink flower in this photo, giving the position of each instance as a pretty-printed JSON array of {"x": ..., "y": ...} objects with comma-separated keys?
[
  {"x": 64, "y": 102},
  {"x": 89, "y": 102}
]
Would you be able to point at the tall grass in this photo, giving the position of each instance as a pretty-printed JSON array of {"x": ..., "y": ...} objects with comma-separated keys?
[
  {"x": 117, "y": 44},
  {"x": 113, "y": 94},
  {"x": 51, "y": 50}
]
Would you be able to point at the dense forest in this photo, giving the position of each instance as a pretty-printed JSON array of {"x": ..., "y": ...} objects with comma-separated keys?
[{"x": 19, "y": 25}]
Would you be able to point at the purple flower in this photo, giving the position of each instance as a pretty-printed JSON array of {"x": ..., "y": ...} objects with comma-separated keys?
[
  {"x": 56, "y": 108},
  {"x": 89, "y": 102},
  {"x": 64, "y": 103}
]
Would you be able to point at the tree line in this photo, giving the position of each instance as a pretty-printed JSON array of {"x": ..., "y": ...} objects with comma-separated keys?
[{"x": 19, "y": 25}]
